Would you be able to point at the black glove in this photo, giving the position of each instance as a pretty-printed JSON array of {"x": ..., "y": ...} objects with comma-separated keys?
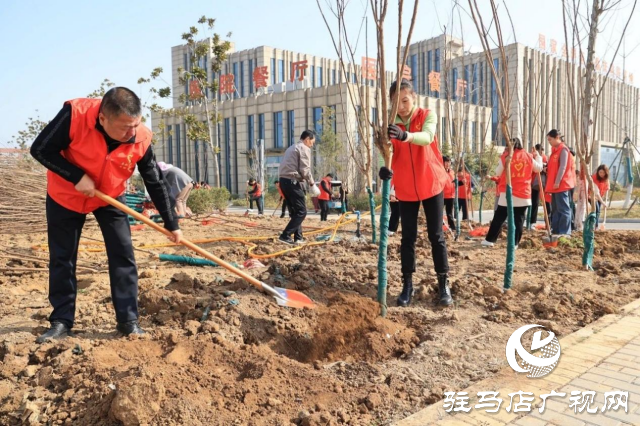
[
  {"x": 385, "y": 173},
  {"x": 396, "y": 132}
]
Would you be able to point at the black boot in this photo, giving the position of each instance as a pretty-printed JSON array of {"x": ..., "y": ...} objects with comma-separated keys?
[
  {"x": 58, "y": 330},
  {"x": 407, "y": 291},
  {"x": 444, "y": 291},
  {"x": 129, "y": 327}
]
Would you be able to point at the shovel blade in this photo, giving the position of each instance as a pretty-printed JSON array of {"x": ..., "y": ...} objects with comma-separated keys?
[{"x": 293, "y": 298}]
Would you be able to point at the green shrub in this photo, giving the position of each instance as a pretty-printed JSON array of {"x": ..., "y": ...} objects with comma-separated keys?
[
  {"x": 207, "y": 200},
  {"x": 361, "y": 201}
]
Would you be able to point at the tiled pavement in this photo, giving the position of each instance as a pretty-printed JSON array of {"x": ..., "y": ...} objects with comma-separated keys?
[{"x": 602, "y": 357}]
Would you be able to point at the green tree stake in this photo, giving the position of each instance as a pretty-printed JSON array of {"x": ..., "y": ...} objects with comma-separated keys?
[
  {"x": 382, "y": 251},
  {"x": 528, "y": 216},
  {"x": 511, "y": 241},
  {"x": 588, "y": 240},
  {"x": 372, "y": 208}
]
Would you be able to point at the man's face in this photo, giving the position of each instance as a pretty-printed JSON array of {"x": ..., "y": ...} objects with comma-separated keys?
[
  {"x": 120, "y": 127},
  {"x": 309, "y": 142}
]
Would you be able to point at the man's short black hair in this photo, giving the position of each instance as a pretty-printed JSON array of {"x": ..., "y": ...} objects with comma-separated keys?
[
  {"x": 307, "y": 134},
  {"x": 121, "y": 100}
]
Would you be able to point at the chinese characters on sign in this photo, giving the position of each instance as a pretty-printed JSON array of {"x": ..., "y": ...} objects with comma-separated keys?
[
  {"x": 369, "y": 68},
  {"x": 434, "y": 81},
  {"x": 542, "y": 42},
  {"x": 461, "y": 88},
  {"x": 260, "y": 77},
  {"x": 227, "y": 84},
  {"x": 521, "y": 402},
  {"x": 298, "y": 70},
  {"x": 194, "y": 90}
]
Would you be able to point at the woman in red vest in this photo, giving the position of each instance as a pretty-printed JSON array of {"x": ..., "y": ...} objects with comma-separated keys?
[
  {"x": 419, "y": 178},
  {"x": 601, "y": 180},
  {"x": 464, "y": 192},
  {"x": 522, "y": 167},
  {"x": 449, "y": 192},
  {"x": 561, "y": 179},
  {"x": 325, "y": 196},
  {"x": 96, "y": 144},
  {"x": 255, "y": 194}
]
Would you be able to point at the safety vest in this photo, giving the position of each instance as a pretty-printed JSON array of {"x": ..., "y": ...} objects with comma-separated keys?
[
  {"x": 88, "y": 151},
  {"x": 569, "y": 179},
  {"x": 418, "y": 172},
  {"x": 450, "y": 186},
  {"x": 521, "y": 169},
  {"x": 534, "y": 175},
  {"x": 324, "y": 195},
  {"x": 603, "y": 186},
  {"x": 464, "y": 191},
  {"x": 258, "y": 193}
]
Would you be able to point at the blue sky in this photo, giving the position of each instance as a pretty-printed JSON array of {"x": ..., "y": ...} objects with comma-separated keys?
[{"x": 54, "y": 51}]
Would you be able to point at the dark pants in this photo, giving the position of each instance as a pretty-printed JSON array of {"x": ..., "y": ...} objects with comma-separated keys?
[
  {"x": 63, "y": 229},
  {"x": 394, "y": 219},
  {"x": 500, "y": 217},
  {"x": 284, "y": 207},
  {"x": 535, "y": 202},
  {"x": 409, "y": 211},
  {"x": 462, "y": 204},
  {"x": 448, "y": 204},
  {"x": 324, "y": 209},
  {"x": 259, "y": 205},
  {"x": 598, "y": 208},
  {"x": 294, "y": 194}
]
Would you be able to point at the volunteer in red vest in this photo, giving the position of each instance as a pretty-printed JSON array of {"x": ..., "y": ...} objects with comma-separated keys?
[
  {"x": 601, "y": 180},
  {"x": 325, "y": 196},
  {"x": 96, "y": 144},
  {"x": 449, "y": 192},
  {"x": 522, "y": 167},
  {"x": 419, "y": 179},
  {"x": 254, "y": 190},
  {"x": 561, "y": 179},
  {"x": 464, "y": 192},
  {"x": 535, "y": 185}
]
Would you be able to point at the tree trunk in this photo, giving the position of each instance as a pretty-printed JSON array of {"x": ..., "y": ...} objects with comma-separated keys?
[{"x": 213, "y": 143}]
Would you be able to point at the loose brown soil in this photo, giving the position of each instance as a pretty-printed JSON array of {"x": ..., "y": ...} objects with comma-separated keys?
[{"x": 219, "y": 352}]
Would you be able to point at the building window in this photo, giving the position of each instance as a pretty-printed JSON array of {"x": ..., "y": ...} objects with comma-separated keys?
[
  {"x": 236, "y": 80},
  {"x": 334, "y": 124},
  {"x": 444, "y": 130},
  {"x": 277, "y": 129},
  {"x": 291, "y": 127},
  {"x": 261, "y": 127},
  {"x": 481, "y": 95},
  {"x": 178, "y": 164},
  {"x": 437, "y": 61},
  {"x": 250, "y": 132},
  {"x": 354, "y": 76},
  {"x": 250, "y": 76},
  {"x": 169, "y": 144},
  {"x": 423, "y": 78},
  {"x": 333, "y": 76},
  {"x": 273, "y": 70},
  {"x": 281, "y": 71},
  {"x": 319, "y": 76},
  {"x": 474, "y": 136},
  {"x": 494, "y": 105},
  {"x": 242, "y": 92},
  {"x": 474, "y": 85},
  {"x": 227, "y": 153},
  {"x": 317, "y": 122},
  {"x": 414, "y": 70},
  {"x": 186, "y": 68},
  {"x": 467, "y": 83},
  {"x": 428, "y": 91},
  {"x": 313, "y": 76},
  {"x": 454, "y": 83}
]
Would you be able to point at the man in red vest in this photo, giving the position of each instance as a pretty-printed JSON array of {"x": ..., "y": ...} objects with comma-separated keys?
[
  {"x": 325, "y": 196},
  {"x": 561, "y": 178},
  {"x": 96, "y": 144}
]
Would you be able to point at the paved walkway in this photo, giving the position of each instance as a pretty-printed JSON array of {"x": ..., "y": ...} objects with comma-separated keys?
[{"x": 602, "y": 357}]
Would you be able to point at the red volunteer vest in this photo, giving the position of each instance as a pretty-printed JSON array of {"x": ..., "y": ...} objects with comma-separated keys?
[
  {"x": 258, "y": 193},
  {"x": 280, "y": 191},
  {"x": 603, "y": 186},
  {"x": 569, "y": 179},
  {"x": 450, "y": 187},
  {"x": 324, "y": 195},
  {"x": 418, "y": 172},
  {"x": 521, "y": 170},
  {"x": 88, "y": 151},
  {"x": 464, "y": 191}
]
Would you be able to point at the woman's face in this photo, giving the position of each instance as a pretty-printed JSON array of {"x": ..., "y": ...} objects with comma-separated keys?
[
  {"x": 405, "y": 104},
  {"x": 553, "y": 141},
  {"x": 447, "y": 164},
  {"x": 601, "y": 174}
]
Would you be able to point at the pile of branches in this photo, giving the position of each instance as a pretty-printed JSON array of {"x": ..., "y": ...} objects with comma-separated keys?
[{"x": 23, "y": 191}]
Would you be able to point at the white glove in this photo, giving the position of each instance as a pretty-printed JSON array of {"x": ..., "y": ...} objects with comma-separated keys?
[{"x": 314, "y": 190}]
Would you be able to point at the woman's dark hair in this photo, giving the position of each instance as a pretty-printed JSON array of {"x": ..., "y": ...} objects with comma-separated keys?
[
  {"x": 538, "y": 147},
  {"x": 554, "y": 133},
  {"x": 404, "y": 84},
  {"x": 606, "y": 172},
  {"x": 516, "y": 143},
  {"x": 252, "y": 181},
  {"x": 446, "y": 158}
]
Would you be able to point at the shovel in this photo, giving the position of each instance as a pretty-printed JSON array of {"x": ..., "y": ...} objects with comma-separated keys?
[
  {"x": 550, "y": 243},
  {"x": 283, "y": 296}
]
